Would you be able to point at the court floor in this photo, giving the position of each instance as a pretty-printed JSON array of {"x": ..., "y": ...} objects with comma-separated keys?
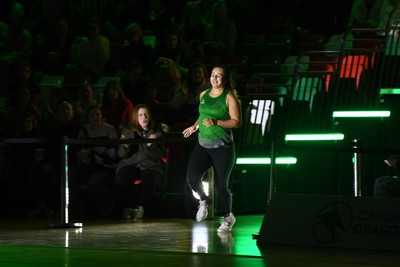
[{"x": 162, "y": 242}]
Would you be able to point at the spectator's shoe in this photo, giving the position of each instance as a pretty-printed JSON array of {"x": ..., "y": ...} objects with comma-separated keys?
[
  {"x": 129, "y": 214},
  {"x": 202, "y": 211},
  {"x": 227, "y": 223},
  {"x": 139, "y": 213}
]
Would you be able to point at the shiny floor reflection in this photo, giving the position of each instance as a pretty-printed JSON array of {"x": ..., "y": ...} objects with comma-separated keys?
[{"x": 162, "y": 242}]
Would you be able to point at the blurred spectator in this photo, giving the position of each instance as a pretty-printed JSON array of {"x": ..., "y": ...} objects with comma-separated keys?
[
  {"x": 116, "y": 107},
  {"x": 158, "y": 18},
  {"x": 42, "y": 186},
  {"x": 43, "y": 15},
  {"x": 91, "y": 54},
  {"x": 389, "y": 186},
  {"x": 170, "y": 46},
  {"x": 22, "y": 154},
  {"x": 66, "y": 124},
  {"x": 24, "y": 104},
  {"x": 19, "y": 42},
  {"x": 365, "y": 13},
  {"x": 27, "y": 126},
  {"x": 386, "y": 11},
  {"x": 23, "y": 76},
  {"x": 134, "y": 82},
  {"x": 193, "y": 52},
  {"x": 54, "y": 50},
  {"x": 49, "y": 108},
  {"x": 197, "y": 81},
  {"x": 95, "y": 168},
  {"x": 166, "y": 93},
  {"x": 221, "y": 32},
  {"x": 85, "y": 100},
  {"x": 193, "y": 25},
  {"x": 134, "y": 49}
]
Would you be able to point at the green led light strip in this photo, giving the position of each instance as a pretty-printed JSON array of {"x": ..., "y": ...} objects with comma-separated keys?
[
  {"x": 389, "y": 91},
  {"x": 259, "y": 161},
  {"x": 361, "y": 114},
  {"x": 314, "y": 137}
]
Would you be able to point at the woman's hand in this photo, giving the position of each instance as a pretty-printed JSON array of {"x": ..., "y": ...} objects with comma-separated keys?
[
  {"x": 392, "y": 160},
  {"x": 123, "y": 137},
  {"x": 188, "y": 131},
  {"x": 209, "y": 122},
  {"x": 151, "y": 136}
]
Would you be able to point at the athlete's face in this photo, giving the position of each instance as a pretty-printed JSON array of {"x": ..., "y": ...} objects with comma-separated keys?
[{"x": 217, "y": 76}]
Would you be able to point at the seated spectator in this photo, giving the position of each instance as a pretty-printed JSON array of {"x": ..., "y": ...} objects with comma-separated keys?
[
  {"x": 27, "y": 127},
  {"x": 95, "y": 168},
  {"x": 194, "y": 52},
  {"x": 365, "y": 13},
  {"x": 193, "y": 25},
  {"x": 23, "y": 154},
  {"x": 19, "y": 42},
  {"x": 91, "y": 54},
  {"x": 116, "y": 107},
  {"x": 54, "y": 50},
  {"x": 197, "y": 81},
  {"x": 157, "y": 18},
  {"x": 386, "y": 11},
  {"x": 49, "y": 107},
  {"x": 85, "y": 100},
  {"x": 140, "y": 171},
  {"x": 41, "y": 175},
  {"x": 21, "y": 77},
  {"x": 25, "y": 104},
  {"x": 389, "y": 186},
  {"x": 221, "y": 32},
  {"x": 66, "y": 123},
  {"x": 170, "y": 45},
  {"x": 166, "y": 94},
  {"x": 135, "y": 50},
  {"x": 134, "y": 82},
  {"x": 161, "y": 61}
]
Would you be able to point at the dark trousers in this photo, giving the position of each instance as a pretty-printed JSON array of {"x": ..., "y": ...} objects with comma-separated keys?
[
  {"x": 137, "y": 193},
  {"x": 223, "y": 160}
]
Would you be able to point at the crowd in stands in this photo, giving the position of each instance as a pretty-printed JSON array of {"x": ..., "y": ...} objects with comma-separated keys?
[{"x": 157, "y": 53}]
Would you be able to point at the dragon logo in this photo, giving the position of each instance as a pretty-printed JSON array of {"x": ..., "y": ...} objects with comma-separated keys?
[{"x": 332, "y": 222}]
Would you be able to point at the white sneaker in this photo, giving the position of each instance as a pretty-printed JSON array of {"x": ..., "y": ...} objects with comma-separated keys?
[
  {"x": 227, "y": 223},
  {"x": 202, "y": 212}
]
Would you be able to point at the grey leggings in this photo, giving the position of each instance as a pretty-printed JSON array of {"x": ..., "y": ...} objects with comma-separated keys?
[{"x": 223, "y": 160}]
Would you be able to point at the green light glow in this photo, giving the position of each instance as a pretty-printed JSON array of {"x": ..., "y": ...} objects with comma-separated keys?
[
  {"x": 259, "y": 161},
  {"x": 390, "y": 91},
  {"x": 361, "y": 114},
  {"x": 314, "y": 137}
]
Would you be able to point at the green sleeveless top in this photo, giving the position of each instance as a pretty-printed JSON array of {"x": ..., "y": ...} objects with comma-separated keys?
[{"x": 214, "y": 108}]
